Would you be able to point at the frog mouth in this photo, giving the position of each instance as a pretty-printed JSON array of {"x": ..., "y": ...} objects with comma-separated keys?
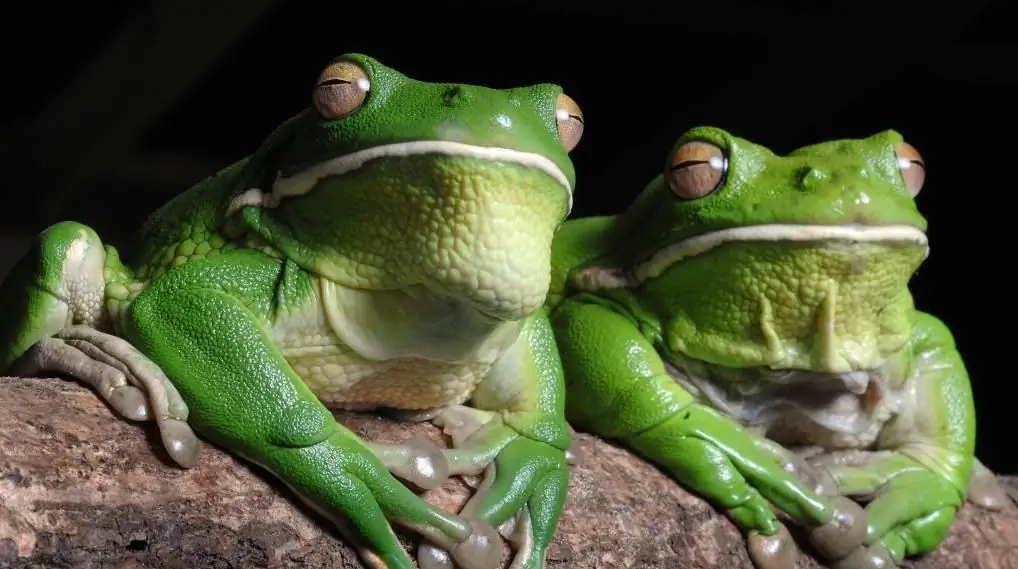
[
  {"x": 302, "y": 182},
  {"x": 700, "y": 244}
]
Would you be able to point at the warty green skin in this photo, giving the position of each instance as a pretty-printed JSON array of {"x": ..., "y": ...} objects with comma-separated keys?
[
  {"x": 715, "y": 359},
  {"x": 289, "y": 282}
]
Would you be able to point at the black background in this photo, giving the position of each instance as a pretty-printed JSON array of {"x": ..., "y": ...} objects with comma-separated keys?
[{"x": 113, "y": 107}]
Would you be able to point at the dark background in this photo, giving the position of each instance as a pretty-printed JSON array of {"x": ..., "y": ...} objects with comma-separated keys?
[{"x": 113, "y": 107}]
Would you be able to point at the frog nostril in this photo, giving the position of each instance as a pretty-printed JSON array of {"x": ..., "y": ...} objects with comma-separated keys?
[
  {"x": 452, "y": 94},
  {"x": 810, "y": 177}
]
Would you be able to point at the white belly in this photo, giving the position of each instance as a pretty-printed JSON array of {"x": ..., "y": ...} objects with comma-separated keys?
[
  {"x": 362, "y": 350},
  {"x": 835, "y": 411}
]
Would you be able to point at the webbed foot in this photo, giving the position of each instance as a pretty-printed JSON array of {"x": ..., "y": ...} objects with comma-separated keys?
[
  {"x": 910, "y": 508},
  {"x": 522, "y": 480}
]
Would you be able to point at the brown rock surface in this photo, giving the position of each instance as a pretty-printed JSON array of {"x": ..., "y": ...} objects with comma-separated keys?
[{"x": 81, "y": 489}]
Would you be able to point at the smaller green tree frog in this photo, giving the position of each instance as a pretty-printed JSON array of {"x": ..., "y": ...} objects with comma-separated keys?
[{"x": 748, "y": 305}]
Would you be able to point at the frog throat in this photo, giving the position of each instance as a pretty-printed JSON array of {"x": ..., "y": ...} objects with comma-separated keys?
[{"x": 304, "y": 181}]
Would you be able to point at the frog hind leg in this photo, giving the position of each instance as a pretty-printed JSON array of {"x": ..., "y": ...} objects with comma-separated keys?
[
  {"x": 243, "y": 396},
  {"x": 55, "y": 297}
]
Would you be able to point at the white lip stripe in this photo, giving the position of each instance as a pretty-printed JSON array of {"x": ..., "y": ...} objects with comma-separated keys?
[
  {"x": 777, "y": 232},
  {"x": 302, "y": 182}
]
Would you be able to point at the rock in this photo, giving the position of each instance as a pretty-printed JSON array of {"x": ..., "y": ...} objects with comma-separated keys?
[{"x": 80, "y": 488}]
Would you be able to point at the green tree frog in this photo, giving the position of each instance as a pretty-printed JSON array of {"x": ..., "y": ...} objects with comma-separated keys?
[
  {"x": 387, "y": 248},
  {"x": 747, "y": 325}
]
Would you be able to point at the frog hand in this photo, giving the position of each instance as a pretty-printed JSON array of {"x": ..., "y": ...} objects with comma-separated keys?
[
  {"x": 984, "y": 489},
  {"x": 909, "y": 508},
  {"x": 522, "y": 488},
  {"x": 133, "y": 385}
]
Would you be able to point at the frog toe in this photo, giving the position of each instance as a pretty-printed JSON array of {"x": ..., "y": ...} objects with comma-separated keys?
[
  {"x": 873, "y": 557},
  {"x": 844, "y": 533},
  {"x": 776, "y": 551},
  {"x": 482, "y": 550},
  {"x": 574, "y": 455},
  {"x": 417, "y": 461},
  {"x": 431, "y": 556},
  {"x": 459, "y": 422},
  {"x": 984, "y": 489},
  {"x": 180, "y": 442},
  {"x": 130, "y": 402}
]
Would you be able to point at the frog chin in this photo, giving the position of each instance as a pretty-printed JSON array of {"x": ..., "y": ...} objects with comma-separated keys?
[{"x": 801, "y": 233}]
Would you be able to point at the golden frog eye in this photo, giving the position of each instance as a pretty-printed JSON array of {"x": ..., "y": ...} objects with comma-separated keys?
[
  {"x": 912, "y": 167},
  {"x": 342, "y": 89},
  {"x": 570, "y": 121},
  {"x": 696, "y": 169}
]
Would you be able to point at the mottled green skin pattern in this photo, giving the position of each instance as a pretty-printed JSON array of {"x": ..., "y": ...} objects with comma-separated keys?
[
  {"x": 432, "y": 266},
  {"x": 750, "y": 314}
]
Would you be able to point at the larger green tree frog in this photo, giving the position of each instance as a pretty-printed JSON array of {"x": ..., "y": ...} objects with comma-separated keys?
[
  {"x": 388, "y": 247},
  {"x": 747, "y": 304}
]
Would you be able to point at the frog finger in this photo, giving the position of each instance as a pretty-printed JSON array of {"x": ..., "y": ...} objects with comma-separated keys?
[
  {"x": 738, "y": 446},
  {"x": 707, "y": 470},
  {"x": 162, "y": 395},
  {"x": 165, "y": 405},
  {"x": 909, "y": 497},
  {"x": 431, "y": 556},
  {"x": 417, "y": 461},
  {"x": 53, "y": 355},
  {"x": 862, "y": 473},
  {"x": 108, "y": 377},
  {"x": 776, "y": 551},
  {"x": 875, "y": 556},
  {"x": 984, "y": 489},
  {"x": 520, "y": 469},
  {"x": 536, "y": 521},
  {"x": 919, "y": 536},
  {"x": 527, "y": 475}
]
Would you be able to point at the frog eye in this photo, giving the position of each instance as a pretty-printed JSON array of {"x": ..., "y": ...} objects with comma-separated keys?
[
  {"x": 341, "y": 90},
  {"x": 570, "y": 121},
  {"x": 696, "y": 169},
  {"x": 912, "y": 167}
]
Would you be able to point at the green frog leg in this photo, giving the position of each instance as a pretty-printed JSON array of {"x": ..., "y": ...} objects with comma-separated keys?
[
  {"x": 517, "y": 437},
  {"x": 639, "y": 404},
  {"x": 50, "y": 327},
  {"x": 918, "y": 478},
  {"x": 200, "y": 325}
]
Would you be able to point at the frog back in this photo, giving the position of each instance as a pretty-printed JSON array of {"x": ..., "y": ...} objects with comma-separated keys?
[
  {"x": 577, "y": 242},
  {"x": 185, "y": 228}
]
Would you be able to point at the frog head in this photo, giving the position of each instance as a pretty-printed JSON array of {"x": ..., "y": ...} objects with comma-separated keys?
[
  {"x": 802, "y": 261},
  {"x": 388, "y": 183}
]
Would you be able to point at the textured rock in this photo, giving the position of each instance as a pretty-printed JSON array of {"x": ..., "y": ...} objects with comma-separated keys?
[{"x": 80, "y": 489}]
